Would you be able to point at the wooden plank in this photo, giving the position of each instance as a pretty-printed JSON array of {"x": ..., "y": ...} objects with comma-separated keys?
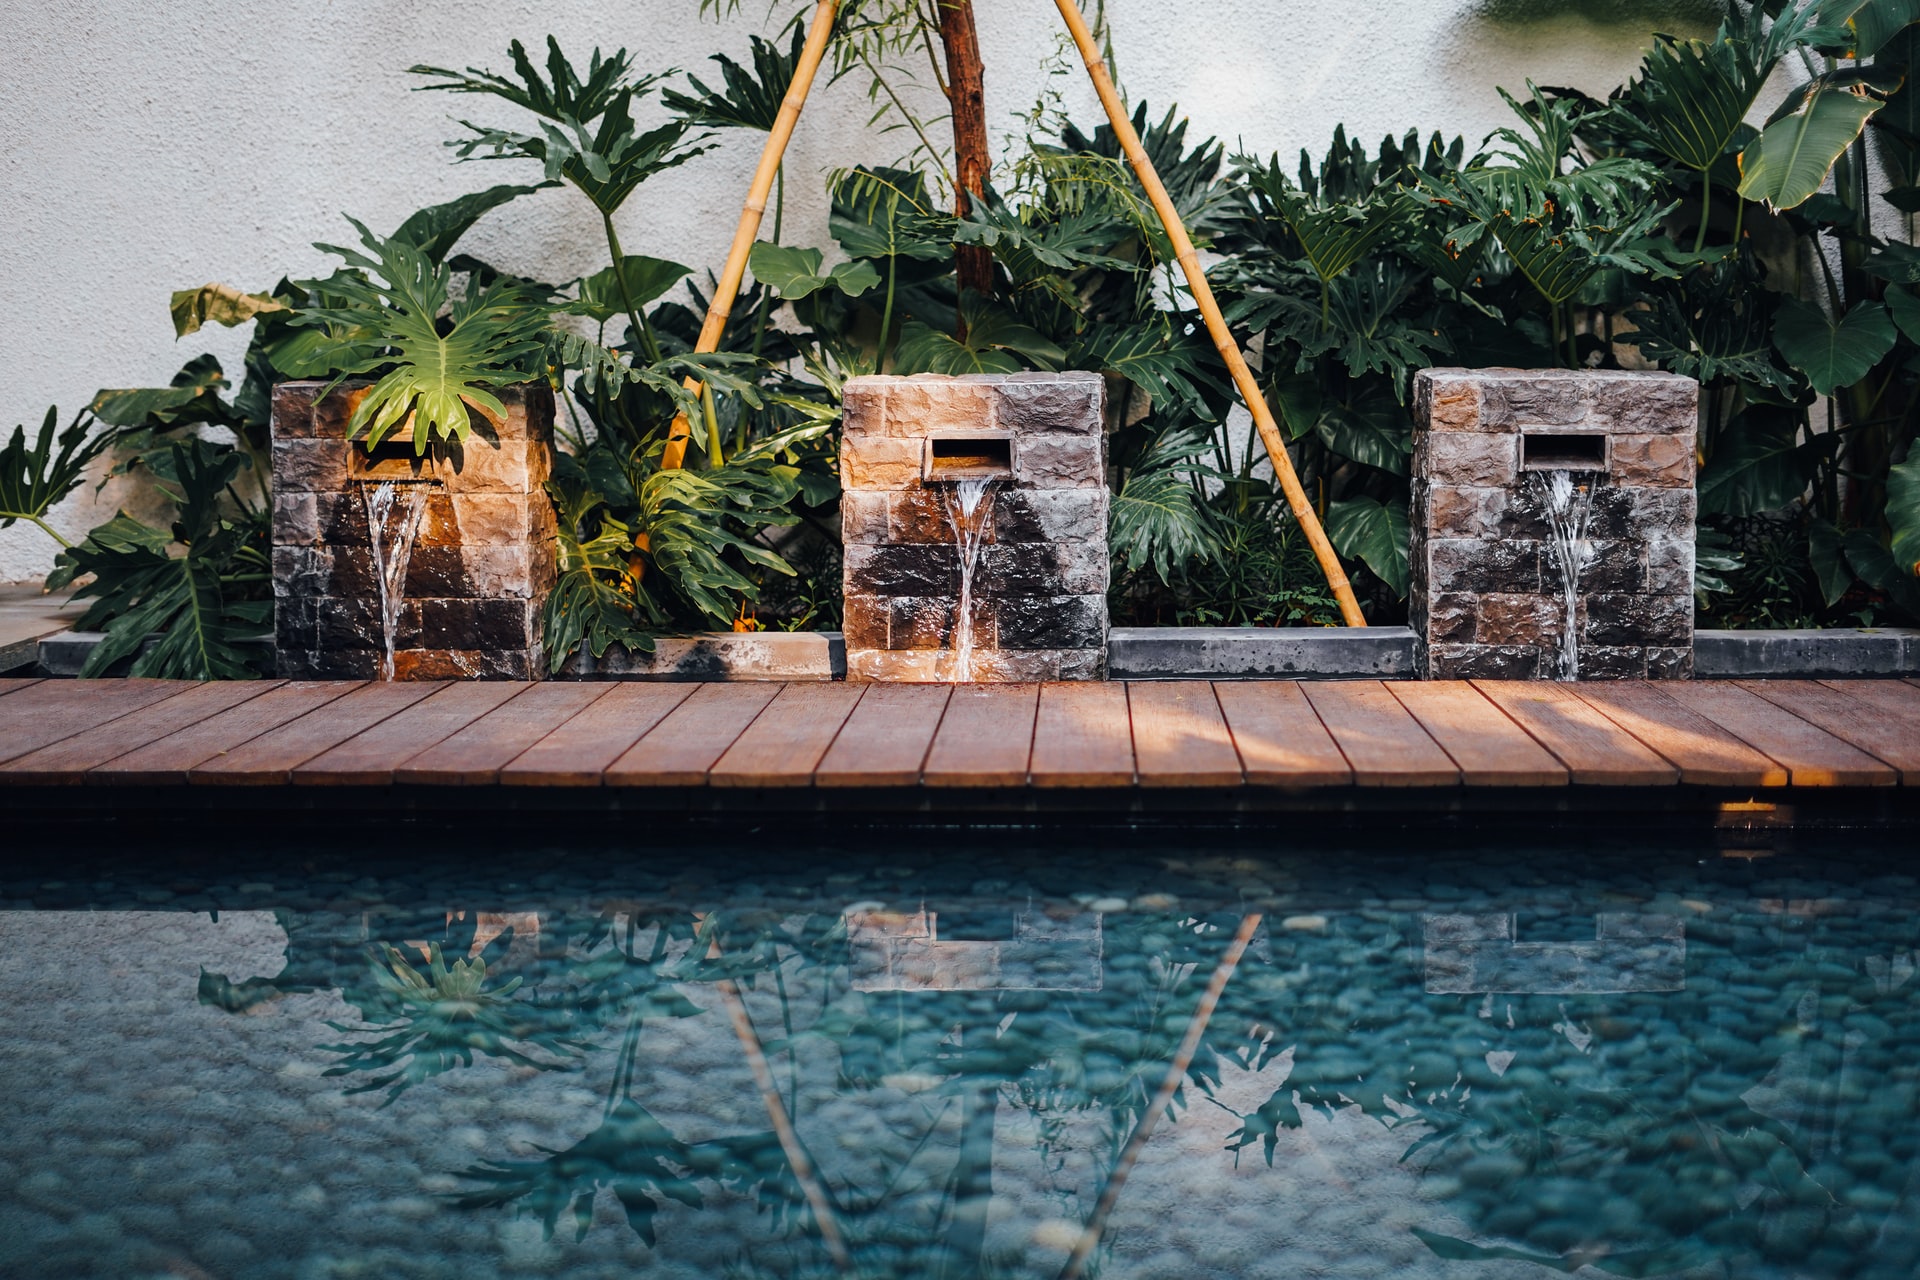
[
  {"x": 1380, "y": 738},
  {"x": 13, "y": 684},
  {"x": 1812, "y": 756},
  {"x": 985, "y": 738},
  {"x": 55, "y": 710},
  {"x": 679, "y": 750},
  {"x": 66, "y": 763},
  {"x": 1279, "y": 735},
  {"x": 1596, "y": 751},
  {"x": 579, "y": 751},
  {"x": 1706, "y": 754},
  {"x": 1180, "y": 738},
  {"x": 1882, "y": 719},
  {"x": 270, "y": 759},
  {"x": 886, "y": 739},
  {"x": 785, "y": 741},
  {"x": 474, "y": 756},
  {"x": 1491, "y": 750},
  {"x": 369, "y": 759},
  {"x": 1081, "y": 736},
  {"x": 167, "y": 760}
]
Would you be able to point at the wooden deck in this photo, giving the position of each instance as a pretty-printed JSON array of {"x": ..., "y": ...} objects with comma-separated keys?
[{"x": 936, "y": 748}]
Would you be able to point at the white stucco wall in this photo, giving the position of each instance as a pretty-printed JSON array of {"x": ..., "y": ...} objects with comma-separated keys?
[{"x": 147, "y": 147}]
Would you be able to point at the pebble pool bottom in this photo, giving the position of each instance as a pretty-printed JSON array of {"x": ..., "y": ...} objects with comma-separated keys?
[{"x": 924, "y": 1055}]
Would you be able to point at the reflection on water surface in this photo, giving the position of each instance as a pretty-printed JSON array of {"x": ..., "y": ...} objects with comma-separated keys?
[{"x": 930, "y": 1061}]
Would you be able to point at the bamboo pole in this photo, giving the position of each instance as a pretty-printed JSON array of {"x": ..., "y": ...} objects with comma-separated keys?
[
  {"x": 1210, "y": 309},
  {"x": 797, "y": 1158},
  {"x": 748, "y": 228},
  {"x": 1163, "y": 1097}
]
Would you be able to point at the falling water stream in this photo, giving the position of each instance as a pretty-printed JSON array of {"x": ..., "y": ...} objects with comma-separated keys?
[
  {"x": 1567, "y": 506},
  {"x": 393, "y": 521},
  {"x": 969, "y": 505}
]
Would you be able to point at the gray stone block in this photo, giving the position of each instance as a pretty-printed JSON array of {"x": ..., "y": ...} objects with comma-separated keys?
[
  {"x": 721, "y": 655},
  {"x": 1863, "y": 651},
  {"x": 1247, "y": 653}
]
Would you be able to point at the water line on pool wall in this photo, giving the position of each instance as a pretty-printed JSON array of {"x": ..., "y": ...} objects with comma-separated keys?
[{"x": 969, "y": 507}]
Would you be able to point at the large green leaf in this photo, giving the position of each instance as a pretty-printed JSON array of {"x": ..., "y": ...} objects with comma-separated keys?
[
  {"x": 492, "y": 337},
  {"x": 602, "y": 296},
  {"x": 751, "y": 99},
  {"x": 1878, "y": 21},
  {"x": 1903, "y": 511},
  {"x": 888, "y": 213},
  {"x": 1791, "y": 158},
  {"x": 996, "y": 342},
  {"x": 193, "y": 309},
  {"x": 1832, "y": 353},
  {"x": 794, "y": 273},
  {"x": 33, "y": 481},
  {"x": 1759, "y": 466},
  {"x": 1159, "y": 517},
  {"x": 1692, "y": 96},
  {"x": 1374, "y": 533},
  {"x": 438, "y": 227}
]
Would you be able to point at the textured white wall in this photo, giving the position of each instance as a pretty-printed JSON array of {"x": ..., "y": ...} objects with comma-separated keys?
[{"x": 147, "y": 147}]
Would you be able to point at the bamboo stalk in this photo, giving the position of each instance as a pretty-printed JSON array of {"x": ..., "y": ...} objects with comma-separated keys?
[
  {"x": 797, "y": 1158},
  {"x": 1163, "y": 1097},
  {"x": 1210, "y": 309},
  {"x": 748, "y": 228}
]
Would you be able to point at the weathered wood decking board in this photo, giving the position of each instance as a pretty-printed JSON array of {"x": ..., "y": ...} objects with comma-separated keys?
[{"x": 1766, "y": 738}]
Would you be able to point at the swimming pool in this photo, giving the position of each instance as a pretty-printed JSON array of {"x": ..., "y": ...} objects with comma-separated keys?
[{"x": 929, "y": 1055}]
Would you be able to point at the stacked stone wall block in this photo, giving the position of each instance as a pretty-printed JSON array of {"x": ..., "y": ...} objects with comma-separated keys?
[
  {"x": 1039, "y": 608},
  {"x": 482, "y": 561},
  {"x": 1485, "y": 598}
]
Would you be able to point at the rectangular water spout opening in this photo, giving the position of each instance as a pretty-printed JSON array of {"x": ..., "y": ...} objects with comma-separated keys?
[
  {"x": 1563, "y": 451},
  {"x": 960, "y": 457}
]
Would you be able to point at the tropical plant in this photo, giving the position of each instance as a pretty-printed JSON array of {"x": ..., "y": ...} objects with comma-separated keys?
[{"x": 34, "y": 480}]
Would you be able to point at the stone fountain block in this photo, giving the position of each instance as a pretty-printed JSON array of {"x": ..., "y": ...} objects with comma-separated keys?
[
  {"x": 1485, "y": 600},
  {"x": 1040, "y": 586},
  {"x": 483, "y": 558}
]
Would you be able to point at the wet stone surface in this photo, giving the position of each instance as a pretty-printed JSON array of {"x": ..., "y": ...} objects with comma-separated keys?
[
  {"x": 504, "y": 1058},
  {"x": 1486, "y": 585},
  {"x": 1038, "y": 592},
  {"x": 481, "y": 560}
]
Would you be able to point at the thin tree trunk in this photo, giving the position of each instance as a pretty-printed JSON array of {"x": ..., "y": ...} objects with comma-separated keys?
[{"x": 966, "y": 98}]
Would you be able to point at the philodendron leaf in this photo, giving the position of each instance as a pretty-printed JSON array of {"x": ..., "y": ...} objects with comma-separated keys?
[
  {"x": 438, "y": 227},
  {"x": 1373, "y": 533},
  {"x": 1903, "y": 511},
  {"x": 601, "y": 297},
  {"x": 1826, "y": 551},
  {"x": 1759, "y": 466},
  {"x": 1832, "y": 353},
  {"x": 194, "y": 309},
  {"x": 1790, "y": 159},
  {"x": 794, "y": 273}
]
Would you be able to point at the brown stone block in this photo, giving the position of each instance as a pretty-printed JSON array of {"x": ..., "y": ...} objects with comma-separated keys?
[
  {"x": 923, "y": 666},
  {"x": 879, "y": 462},
  {"x": 471, "y": 624},
  {"x": 1052, "y": 402},
  {"x": 292, "y": 410},
  {"x": 517, "y": 572},
  {"x": 863, "y": 623},
  {"x": 327, "y": 664},
  {"x": 1613, "y": 662},
  {"x": 925, "y": 403},
  {"x": 863, "y": 516},
  {"x": 923, "y": 570},
  {"x": 1050, "y": 515},
  {"x": 469, "y": 664},
  {"x": 1621, "y": 619},
  {"x": 354, "y": 622},
  {"x": 1467, "y": 511},
  {"x": 863, "y": 407},
  {"x": 482, "y": 519},
  {"x": 1473, "y": 459},
  {"x": 1059, "y": 622},
  {"x": 296, "y": 623},
  {"x": 920, "y": 515},
  {"x": 1448, "y": 616},
  {"x": 1614, "y": 566},
  {"x": 1501, "y": 619},
  {"x": 1083, "y": 664},
  {"x": 1651, "y": 403},
  {"x": 1670, "y": 564},
  {"x": 1483, "y": 662},
  {"x": 1041, "y": 569},
  {"x": 1652, "y": 461},
  {"x": 1060, "y": 462},
  {"x": 1001, "y": 665},
  {"x": 926, "y": 622},
  {"x": 309, "y": 466},
  {"x": 322, "y": 571},
  {"x": 1545, "y": 398},
  {"x": 474, "y": 465},
  {"x": 1669, "y": 663},
  {"x": 1449, "y": 405},
  {"x": 1479, "y": 564}
]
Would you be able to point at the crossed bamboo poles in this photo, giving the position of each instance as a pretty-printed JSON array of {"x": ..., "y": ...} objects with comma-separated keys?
[{"x": 748, "y": 229}]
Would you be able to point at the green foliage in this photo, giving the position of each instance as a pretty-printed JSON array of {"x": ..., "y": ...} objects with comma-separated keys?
[
  {"x": 1791, "y": 158},
  {"x": 1160, "y": 518},
  {"x": 750, "y": 99},
  {"x": 1903, "y": 512},
  {"x": 795, "y": 273},
  {"x": 1832, "y": 351},
  {"x": 208, "y": 606},
  {"x": 1375, "y": 533},
  {"x": 33, "y": 480},
  {"x": 392, "y": 300}
]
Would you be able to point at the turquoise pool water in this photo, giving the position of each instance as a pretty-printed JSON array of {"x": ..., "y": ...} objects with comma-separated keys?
[{"x": 926, "y": 1055}]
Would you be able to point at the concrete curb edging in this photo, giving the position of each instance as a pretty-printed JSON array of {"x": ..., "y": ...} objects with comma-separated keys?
[
  {"x": 1253, "y": 653},
  {"x": 1758, "y": 655}
]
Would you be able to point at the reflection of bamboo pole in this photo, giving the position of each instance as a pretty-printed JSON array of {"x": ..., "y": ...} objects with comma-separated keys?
[
  {"x": 1210, "y": 310},
  {"x": 748, "y": 228},
  {"x": 1162, "y": 1098},
  {"x": 797, "y": 1158}
]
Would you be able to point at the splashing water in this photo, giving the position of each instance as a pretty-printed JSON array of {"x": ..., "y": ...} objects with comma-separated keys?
[
  {"x": 969, "y": 505},
  {"x": 393, "y": 521},
  {"x": 1567, "y": 505}
]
